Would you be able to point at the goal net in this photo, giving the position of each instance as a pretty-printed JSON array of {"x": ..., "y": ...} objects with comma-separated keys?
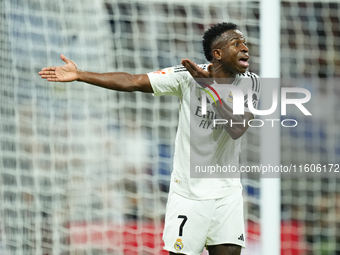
[
  {"x": 84, "y": 170},
  {"x": 310, "y": 207}
]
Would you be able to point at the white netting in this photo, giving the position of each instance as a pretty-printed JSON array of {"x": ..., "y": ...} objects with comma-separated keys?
[
  {"x": 310, "y": 49},
  {"x": 86, "y": 171}
]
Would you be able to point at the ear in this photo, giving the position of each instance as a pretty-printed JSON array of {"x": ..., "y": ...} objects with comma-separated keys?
[{"x": 217, "y": 54}]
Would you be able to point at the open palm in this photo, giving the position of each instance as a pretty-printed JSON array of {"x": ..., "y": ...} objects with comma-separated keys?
[
  {"x": 65, "y": 73},
  {"x": 201, "y": 76}
]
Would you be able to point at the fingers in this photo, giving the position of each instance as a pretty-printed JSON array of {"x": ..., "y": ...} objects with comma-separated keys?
[
  {"x": 210, "y": 69},
  {"x": 48, "y": 76},
  {"x": 46, "y": 72},
  {"x": 201, "y": 76},
  {"x": 188, "y": 62},
  {"x": 65, "y": 59},
  {"x": 190, "y": 66},
  {"x": 52, "y": 79},
  {"x": 51, "y": 68},
  {"x": 195, "y": 70}
]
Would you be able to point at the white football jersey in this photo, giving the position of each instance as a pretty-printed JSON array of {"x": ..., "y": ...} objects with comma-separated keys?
[{"x": 198, "y": 141}]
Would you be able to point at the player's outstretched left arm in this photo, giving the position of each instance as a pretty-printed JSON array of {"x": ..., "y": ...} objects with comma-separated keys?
[{"x": 115, "y": 81}]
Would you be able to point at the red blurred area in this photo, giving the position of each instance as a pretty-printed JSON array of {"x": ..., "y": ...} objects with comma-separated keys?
[
  {"x": 133, "y": 237},
  {"x": 292, "y": 241},
  {"x": 130, "y": 237}
]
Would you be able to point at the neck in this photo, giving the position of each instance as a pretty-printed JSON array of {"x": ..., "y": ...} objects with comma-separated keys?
[{"x": 220, "y": 72}]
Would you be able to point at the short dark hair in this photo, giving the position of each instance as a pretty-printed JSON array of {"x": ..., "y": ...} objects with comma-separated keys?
[{"x": 212, "y": 34}]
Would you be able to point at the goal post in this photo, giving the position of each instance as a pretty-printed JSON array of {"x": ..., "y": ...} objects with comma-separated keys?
[{"x": 270, "y": 139}]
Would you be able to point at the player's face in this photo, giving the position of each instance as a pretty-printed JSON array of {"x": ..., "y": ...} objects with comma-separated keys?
[{"x": 233, "y": 52}]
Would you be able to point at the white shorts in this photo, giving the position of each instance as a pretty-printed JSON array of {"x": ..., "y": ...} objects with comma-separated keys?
[{"x": 192, "y": 224}]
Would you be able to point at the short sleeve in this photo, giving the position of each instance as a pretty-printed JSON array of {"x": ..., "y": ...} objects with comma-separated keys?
[
  {"x": 254, "y": 81},
  {"x": 169, "y": 81}
]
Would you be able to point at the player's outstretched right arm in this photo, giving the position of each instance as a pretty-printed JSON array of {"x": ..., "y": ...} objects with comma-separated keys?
[{"x": 116, "y": 81}]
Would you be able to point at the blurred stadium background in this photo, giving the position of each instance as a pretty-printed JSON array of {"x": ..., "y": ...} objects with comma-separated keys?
[{"x": 84, "y": 170}]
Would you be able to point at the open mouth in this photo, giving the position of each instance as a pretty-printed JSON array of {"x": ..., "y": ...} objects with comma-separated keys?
[{"x": 244, "y": 62}]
